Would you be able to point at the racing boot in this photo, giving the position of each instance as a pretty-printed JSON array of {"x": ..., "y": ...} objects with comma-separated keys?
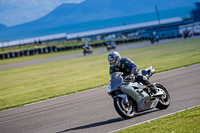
[
  {"x": 155, "y": 93},
  {"x": 152, "y": 87}
]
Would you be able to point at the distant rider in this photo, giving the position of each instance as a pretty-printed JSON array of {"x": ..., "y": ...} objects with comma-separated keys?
[
  {"x": 111, "y": 43},
  {"x": 154, "y": 34},
  {"x": 129, "y": 69},
  {"x": 87, "y": 48}
]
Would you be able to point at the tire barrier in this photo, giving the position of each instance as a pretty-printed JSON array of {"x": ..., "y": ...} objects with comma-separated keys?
[{"x": 58, "y": 49}]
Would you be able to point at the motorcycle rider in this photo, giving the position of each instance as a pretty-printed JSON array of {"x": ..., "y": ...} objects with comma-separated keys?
[
  {"x": 154, "y": 37},
  {"x": 87, "y": 48},
  {"x": 154, "y": 34},
  {"x": 129, "y": 69}
]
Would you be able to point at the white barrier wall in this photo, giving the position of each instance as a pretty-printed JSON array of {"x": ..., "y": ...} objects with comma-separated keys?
[
  {"x": 192, "y": 28},
  {"x": 32, "y": 40}
]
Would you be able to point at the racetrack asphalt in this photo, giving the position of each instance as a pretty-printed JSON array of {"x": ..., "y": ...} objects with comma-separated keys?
[
  {"x": 92, "y": 111},
  {"x": 64, "y": 57}
]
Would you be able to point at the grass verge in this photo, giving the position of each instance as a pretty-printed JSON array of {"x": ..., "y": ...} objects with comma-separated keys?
[
  {"x": 48, "y": 55},
  {"x": 187, "y": 121},
  {"x": 33, "y": 83},
  {"x": 57, "y": 44}
]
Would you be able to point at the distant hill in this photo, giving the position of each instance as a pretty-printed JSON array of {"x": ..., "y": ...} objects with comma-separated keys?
[
  {"x": 88, "y": 10},
  {"x": 2, "y": 26},
  {"x": 88, "y": 15}
]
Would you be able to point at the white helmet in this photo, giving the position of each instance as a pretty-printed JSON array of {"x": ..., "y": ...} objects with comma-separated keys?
[{"x": 114, "y": 58}]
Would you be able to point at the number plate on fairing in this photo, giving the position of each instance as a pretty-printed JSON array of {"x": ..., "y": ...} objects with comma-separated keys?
[{"x": 154, "y": 103}]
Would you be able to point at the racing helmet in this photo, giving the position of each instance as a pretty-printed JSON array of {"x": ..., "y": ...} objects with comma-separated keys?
[{"x": 114, "y": 58}]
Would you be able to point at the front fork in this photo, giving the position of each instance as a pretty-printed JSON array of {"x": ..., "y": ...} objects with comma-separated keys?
[{"x": 124, "y": 97}]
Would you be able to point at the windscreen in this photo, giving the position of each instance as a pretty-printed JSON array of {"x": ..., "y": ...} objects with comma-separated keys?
[{"x": 115, "y": 80}]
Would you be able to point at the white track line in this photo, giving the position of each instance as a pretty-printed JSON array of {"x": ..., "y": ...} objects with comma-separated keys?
[{"x": 152, "y": 119}]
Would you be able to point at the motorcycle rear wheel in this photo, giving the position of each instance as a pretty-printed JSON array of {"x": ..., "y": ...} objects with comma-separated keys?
[{"x": 123, "y": 110}]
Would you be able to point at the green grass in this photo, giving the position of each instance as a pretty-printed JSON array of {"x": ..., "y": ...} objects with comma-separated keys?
[
  {"x": 57, "y": 44},
  {"x": 28, "y": 84},
  {"x": 187, "y": 121},
  {"x": 47, "y": 55},
  {"x": 35, "y": 57}
]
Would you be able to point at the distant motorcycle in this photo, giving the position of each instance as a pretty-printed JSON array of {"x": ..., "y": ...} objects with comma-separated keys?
[
  {"x": 154, "y": 39},
  {"x": 187, "y": 34},
  {"x": 87, "y": 50},
  {"x": 111, "y": 45},
  {"x": 133, "y": 97}
]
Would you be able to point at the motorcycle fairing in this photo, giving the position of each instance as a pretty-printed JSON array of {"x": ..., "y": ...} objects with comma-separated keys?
[{"x": 143, "y": 100}]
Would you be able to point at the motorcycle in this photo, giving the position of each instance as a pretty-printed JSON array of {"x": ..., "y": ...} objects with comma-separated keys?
[
  {"x": 111, "y": 45},
  {"x": 87, "y": 50},
  {"x": 187, "y": 34},
  {"x": 154, "y": 39},
  {"x": 132, "y": 97}
]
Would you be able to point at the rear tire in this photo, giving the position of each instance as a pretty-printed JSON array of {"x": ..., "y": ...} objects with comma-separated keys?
[
  {"x": 123, "y": 110},
  {"x": 164, "y": 101}
]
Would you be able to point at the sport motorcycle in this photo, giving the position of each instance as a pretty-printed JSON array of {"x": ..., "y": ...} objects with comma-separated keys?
[{"x": 131, "y": 97}]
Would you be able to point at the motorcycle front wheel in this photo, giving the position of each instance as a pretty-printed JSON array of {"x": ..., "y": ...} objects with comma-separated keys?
[
  {"x": 164, "y": 101},
  {"x": 126, "y": 111}
]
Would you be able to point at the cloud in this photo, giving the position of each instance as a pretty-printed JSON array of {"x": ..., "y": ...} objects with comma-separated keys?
[{"x": 14, "y": 12}]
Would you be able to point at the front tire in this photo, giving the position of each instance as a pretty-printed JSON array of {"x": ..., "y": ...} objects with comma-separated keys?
[
  {"x": 164, "y": 101},
  {"x": 84, "y": 53},
  {"x": 125, "y": 111}
]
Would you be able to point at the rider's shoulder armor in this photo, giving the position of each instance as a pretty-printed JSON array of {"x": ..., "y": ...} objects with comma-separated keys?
[{"x": 126, "y": 61}]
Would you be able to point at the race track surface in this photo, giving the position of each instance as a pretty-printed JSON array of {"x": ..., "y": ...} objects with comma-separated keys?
[
  {"x": 93, "y": 112},
  {"x": 64, "y": 57}
]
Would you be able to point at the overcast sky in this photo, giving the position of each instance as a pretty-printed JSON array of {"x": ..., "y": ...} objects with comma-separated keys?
[{"x": 14, "y": 12}]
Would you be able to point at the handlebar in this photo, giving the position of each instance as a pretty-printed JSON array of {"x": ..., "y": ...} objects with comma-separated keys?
[{"x": 128, "y": 79}]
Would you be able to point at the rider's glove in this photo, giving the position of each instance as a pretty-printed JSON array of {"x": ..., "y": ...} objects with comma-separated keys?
[{"x": 130, "y": 76}]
